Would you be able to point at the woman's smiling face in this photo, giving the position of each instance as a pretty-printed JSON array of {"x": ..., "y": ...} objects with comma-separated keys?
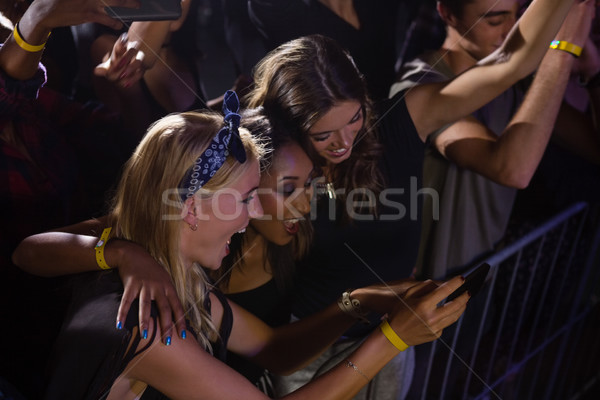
[
  {"x": 218, "y": 217},
  {"x": 284, "y": 193},
  {"x": 333, "y": 135}
]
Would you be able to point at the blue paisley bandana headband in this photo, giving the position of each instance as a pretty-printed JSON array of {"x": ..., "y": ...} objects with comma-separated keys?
[{"x": 226, "y": 141}]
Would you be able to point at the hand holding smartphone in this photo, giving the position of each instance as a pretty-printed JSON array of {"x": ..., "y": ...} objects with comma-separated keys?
[
  {"x": 150, "y": 10},
  {"x": 473, "y": 282}
]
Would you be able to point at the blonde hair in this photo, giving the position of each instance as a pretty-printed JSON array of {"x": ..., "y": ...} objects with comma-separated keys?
[{"x": 147, "y": 207}]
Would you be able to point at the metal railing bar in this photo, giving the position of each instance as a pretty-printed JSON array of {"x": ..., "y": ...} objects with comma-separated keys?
[
  {"x": 486, "y": 308},
  {"x": 504, "y": 312},
  {"x": 546, "y": 289},
  {"x": 429, "y": 367},
  {"x": 526, "y": 301},
  {"x": 563, "y": 345},
  {"x": 513, "y": 248},
  {"x": 450, "y": 357},
  {"x": 570, "y": 359},
  {"x": 516, "y": 367}
]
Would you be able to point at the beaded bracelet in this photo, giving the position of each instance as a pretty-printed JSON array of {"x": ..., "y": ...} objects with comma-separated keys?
[
  {"x": 100, "y": 249},
  {"x": 392, "y": 336},
  {"x": 23, "y": 44},
  {"x": 566, "y": 46}
]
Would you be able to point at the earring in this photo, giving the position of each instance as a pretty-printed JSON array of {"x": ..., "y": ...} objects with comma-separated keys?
[{"x": 193, "y": 227}]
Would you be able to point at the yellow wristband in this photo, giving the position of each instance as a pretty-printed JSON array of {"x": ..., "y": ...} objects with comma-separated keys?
[
  {"x": 23, "y": 44},
  {"x": 100, "y": 249},
  {"x": 392, "y": 337},
  {"x": 566, "y": 46}
]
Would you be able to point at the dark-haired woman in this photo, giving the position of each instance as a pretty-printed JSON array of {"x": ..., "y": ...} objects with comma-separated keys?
[{"x": 367, "y": 222}]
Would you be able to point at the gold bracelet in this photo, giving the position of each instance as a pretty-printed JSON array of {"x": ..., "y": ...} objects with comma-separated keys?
[
  {"x": 100, "y": 249},
  {"x": 392, "y": 336},
  {"x": 566, "y": 46},
  {"x": 23, "y": 44}
]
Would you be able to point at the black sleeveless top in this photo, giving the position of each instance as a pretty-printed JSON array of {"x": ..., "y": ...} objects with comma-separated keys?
[
  {"x": 376, "y": 249},
  {"x": 90, "y": 353}
]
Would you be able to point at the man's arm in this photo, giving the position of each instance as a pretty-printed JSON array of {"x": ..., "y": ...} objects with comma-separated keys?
[
  {"x": 512, "y": 158},
  {"x": 435, "y": 105}
]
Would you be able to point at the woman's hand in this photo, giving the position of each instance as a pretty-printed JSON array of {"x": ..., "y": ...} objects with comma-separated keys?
[
  {"x": 145, "y": 278},
  {"x": 382, "y": 298},
  {"x": 125, "y": 64},
  {"x": 417, "y": 317}
]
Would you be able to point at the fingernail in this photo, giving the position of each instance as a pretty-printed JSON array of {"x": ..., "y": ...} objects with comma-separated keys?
[
  {"x": 145, "y": 334},
  {"x": 462, "y": 277},
  {"x": 124, "y": 37},
  {"x": 183, "y": 334},
  {"x": 119, "y": 325},
  {"x": 168, "y": 341}
]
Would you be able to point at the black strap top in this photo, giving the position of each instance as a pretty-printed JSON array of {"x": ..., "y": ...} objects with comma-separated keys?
[{"x": 90, "y": 353}]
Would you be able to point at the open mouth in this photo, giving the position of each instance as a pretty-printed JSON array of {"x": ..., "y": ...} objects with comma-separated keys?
[
  {"x": 338, "y": 152},
  {"x": 291, "y": 226}
]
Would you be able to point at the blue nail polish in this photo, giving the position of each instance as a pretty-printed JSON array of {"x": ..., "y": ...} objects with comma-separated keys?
[
  {"x": 145, "y": 334},
  {"x": 183, "y": 334},
  {"x": 168, "y": 341},
  {"x": 119, "y": 325}
]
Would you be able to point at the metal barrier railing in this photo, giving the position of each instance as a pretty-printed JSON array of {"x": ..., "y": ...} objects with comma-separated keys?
[{"x": 524, "y": 335}]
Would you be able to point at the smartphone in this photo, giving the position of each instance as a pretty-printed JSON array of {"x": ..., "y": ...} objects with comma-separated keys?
[
  {"x": 473, "y": 282},
  {"x": 150, "y": 10}
]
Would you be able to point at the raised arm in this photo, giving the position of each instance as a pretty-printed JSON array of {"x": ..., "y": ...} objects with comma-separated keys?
[
  {"x": 432, "y": 106},
  {"x": 37, "y": 23},
  {"x": 137, "y": 51},
  {"x": 512, "y": 158}
]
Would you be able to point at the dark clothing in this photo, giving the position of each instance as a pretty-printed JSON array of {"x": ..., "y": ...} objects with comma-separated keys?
[
  {"x": 266, "y": 302},
  {"x": 269, "y": 304},
  {"x": 91, "y": 353},
  {"x": 365, "y": 252},
  {"x": 65, "y": 156},
  {"x": 373, "y": 46},
  {"x": 58, "y": 158},
  {"x": 243, "y": 39}
]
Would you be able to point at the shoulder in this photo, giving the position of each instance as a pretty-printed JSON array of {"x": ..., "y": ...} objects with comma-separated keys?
[
  {"x": 396, "y": 128},
  {"x": 427, "y": 68}
]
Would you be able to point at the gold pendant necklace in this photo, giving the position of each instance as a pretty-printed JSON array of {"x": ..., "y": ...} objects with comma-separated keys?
[{"x": 327, "y": 189}]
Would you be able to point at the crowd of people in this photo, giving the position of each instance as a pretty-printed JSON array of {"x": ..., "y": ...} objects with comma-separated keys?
[{"x": 295, "y": 237}]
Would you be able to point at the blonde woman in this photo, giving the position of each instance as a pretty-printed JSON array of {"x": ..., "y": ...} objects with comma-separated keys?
[
  {"x": 184, "y": 216},
  {"x": 188, "y": 188}
]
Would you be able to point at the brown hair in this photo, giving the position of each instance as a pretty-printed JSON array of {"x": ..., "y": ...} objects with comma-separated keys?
[{"x": 299, "y": 82}]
